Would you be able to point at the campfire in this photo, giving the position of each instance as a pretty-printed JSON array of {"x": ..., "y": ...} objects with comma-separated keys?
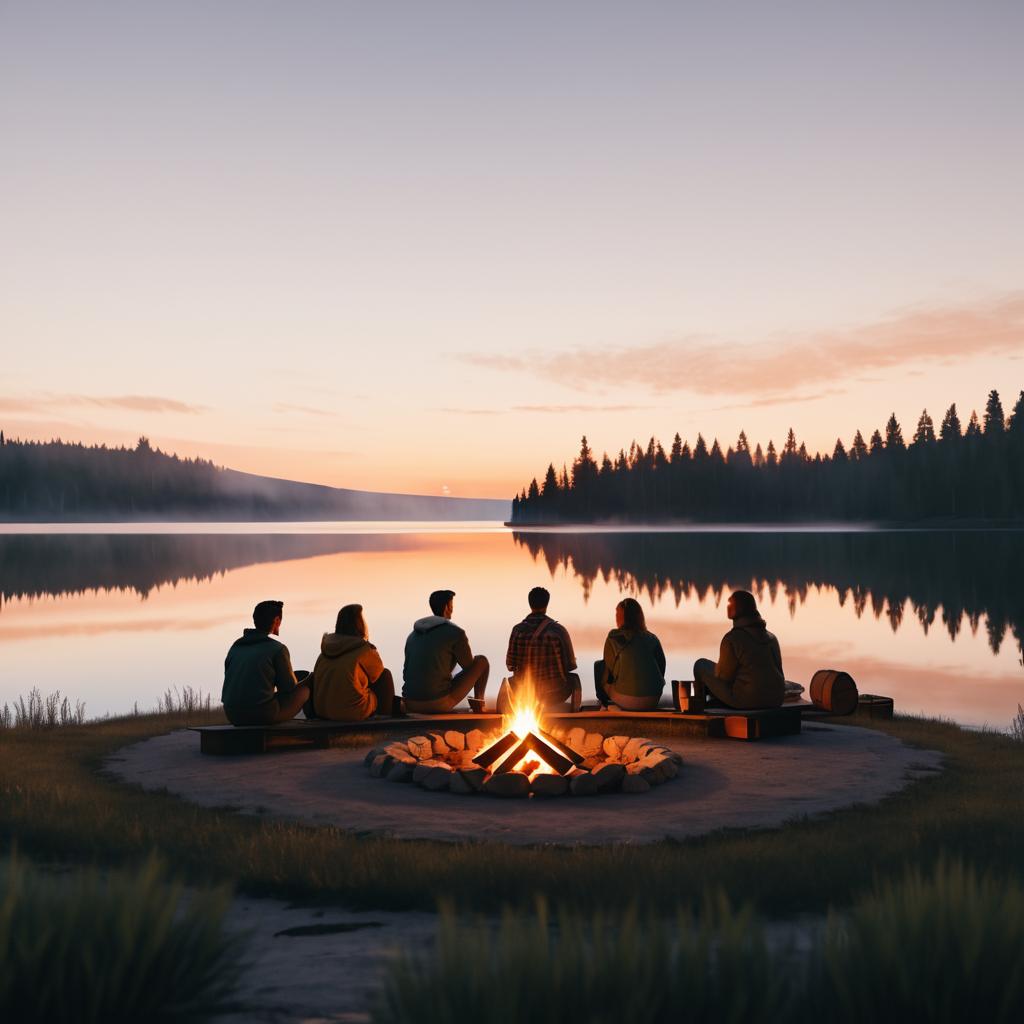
[{"x": 526, "y": 758}]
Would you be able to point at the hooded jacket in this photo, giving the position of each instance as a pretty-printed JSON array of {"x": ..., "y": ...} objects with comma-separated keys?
[
  {"x": 256, "y": 668},
  {"x": 634, "y": 663},
  {"x": 433, "y": 649},
  {"x": 751, "y": 660},
  {"x": 342, "y": 675}
]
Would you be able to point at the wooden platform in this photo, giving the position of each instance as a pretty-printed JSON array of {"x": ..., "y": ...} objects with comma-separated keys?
[{"x": 718, "y": 723}]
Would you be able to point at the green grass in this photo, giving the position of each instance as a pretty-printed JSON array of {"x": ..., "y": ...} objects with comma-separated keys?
[
  {"x": 56, "y": 805},
  {"x": 88, "y": 948},
  {"x": 939, "y": 949}
]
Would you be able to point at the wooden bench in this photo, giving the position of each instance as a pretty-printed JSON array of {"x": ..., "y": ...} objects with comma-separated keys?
[{"x": 715, "y": 723}]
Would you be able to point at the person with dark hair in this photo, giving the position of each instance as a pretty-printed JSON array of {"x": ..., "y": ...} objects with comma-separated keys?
[
  {"x": 260, "y": 686},
  {"x": 632, "y": 672},
  {"x": 349, "y": 680},
  {"x": 432, "y": 651},
  {"x": 540, "y": 656},
  {"x": 749, "y": 670}
]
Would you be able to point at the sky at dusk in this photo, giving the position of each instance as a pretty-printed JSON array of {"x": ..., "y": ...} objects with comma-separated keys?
[{"x": 425, "y": 246}]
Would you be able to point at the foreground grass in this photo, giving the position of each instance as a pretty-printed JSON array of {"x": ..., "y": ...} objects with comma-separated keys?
[
  {"x": 938, "y": 949},
  {"x": 55, "y": 804},
  {"x": 90, "y": 949}
]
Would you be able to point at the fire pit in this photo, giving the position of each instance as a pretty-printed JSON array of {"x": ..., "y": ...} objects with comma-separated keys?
[{"x": 523, "y": 759}]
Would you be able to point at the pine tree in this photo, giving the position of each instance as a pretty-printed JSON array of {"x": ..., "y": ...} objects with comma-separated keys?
[
  {"x": 759, "y": 455},
  {"x": 533, "y": 492},
  {"x": 789, "y": 448},
  {"x": 1016, "y": 424},
  {"x": 894, "y": 435},
  {"x": 771, "y": 458},
  {"x": 677, "y": 449},
  {"x": 716, "y": 453},
  {"x": 950, "y": 429},
  {"x": 995, "y": 422},
  {"x": 859, "y": 448},
  {"x": 839, "y": 452},
  {"x": 973, "y": 426},
  {"x": 700, "y": 449},
  {"x": 876, "y": 447},
  {"x": 549, "y": 489},
  {"x": 925, "y": 433}
]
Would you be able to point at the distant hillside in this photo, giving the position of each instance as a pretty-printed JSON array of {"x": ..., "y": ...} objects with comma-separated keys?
[{"x": 60, "y": 482}]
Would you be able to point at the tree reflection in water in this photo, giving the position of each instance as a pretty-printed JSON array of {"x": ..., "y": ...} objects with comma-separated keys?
[{"x": 955, "y": 577}]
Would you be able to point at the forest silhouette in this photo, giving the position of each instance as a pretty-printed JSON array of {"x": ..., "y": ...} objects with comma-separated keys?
[
  {"x": 940, "y": 579},
  {"x": 951, "y": 473},
  {"x": 58, "y": 480}
]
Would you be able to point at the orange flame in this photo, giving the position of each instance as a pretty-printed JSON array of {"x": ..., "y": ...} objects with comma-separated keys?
[{"x": 524, "y": 718}]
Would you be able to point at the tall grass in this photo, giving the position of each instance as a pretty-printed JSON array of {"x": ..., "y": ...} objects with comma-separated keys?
[
  {"x": 87, "y": 949},
  {"x": 1017, "y": 725},
  {"x": 39, "y": 712},
  {"x": 947, "y": 947},
  {"x": 54, "y": 711}
]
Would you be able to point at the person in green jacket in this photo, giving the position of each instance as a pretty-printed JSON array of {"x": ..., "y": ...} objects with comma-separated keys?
[
  {"x": 632, "y": 673},
  {"x": 749, "y": 670},
  {"x": 432, "y": 651},
  {"x": 260, "y": 686}
]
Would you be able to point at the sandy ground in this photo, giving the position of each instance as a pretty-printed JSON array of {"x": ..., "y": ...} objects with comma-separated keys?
[{"x": 723, "y": 784}]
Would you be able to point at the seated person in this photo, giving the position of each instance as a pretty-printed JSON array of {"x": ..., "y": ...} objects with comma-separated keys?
[
  {"x": 540, "y": 655},
  {"x": 260, "y": 687},
  {"x": 749, "y": 670},
  {"x": 434, "y": 648},
  {"x": 632, "y": 672},
  {"x": 349, "y": 680}
]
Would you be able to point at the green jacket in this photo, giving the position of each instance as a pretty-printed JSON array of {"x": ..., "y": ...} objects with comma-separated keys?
[
  {"x": 751, "y": 660},
  {"x": 257, "y": 667},
  {"x": 434, "y": 647},
  {"x": 634, "y": 663}
]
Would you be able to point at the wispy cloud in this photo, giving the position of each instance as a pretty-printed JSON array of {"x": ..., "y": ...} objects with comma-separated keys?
[
  {"x": 305, "y": 410},
  {"x": 784, "y": 364},
  {"x": 134, "y": 403},
  {"x": 553, "y": 409}
]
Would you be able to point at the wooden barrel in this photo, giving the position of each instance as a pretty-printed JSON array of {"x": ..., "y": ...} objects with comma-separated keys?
[{"x": 835, "y": 691}]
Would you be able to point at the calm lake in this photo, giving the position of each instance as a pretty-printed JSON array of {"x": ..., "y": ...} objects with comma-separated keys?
[{"x": 115, "y": 615}]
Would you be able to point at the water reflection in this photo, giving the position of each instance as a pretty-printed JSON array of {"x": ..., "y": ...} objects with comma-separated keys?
[
  {"x": 34, "y": 565},
  {"x": 956, "y": 578}
]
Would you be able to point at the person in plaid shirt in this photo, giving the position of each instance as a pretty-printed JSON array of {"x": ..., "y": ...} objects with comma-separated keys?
[{"x": 540, "y": 653}]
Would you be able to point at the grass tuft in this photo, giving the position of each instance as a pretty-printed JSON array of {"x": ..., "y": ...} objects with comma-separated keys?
[
  {"x": 1017, "y": 725},
  {"x": 84, "y": 948},
  {"x": 948, "y": 947},
  {"x": 38, "y": 712}
]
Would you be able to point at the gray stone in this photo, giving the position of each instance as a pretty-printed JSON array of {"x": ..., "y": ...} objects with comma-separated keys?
[
  {"x": 400, "y": 771},
  {"x": 609, "y": 777},
  {"x": 635, "y": 784},
  {"x": 549, "y": 785},
  {"x": 381, "y": 765},
  {"x": 371, "y": 754},
  {"x": 455, "y": 739},
  {"x": 476, "y": 777},
  {"x": 508, "y": 784},
  {"x": 423, "y": 769},
  {"x": 583, "y": 784},
  {"x": 439, "y": 777},
  {"x": 420, "y": 747},
  {"x": 459, "y": 784},
  {"x": 400, "y": 752},
  {"x": 669, "y": 768}
]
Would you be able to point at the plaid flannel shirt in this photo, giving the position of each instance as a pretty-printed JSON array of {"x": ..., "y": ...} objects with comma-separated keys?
[{"x": 544, "y": 654}]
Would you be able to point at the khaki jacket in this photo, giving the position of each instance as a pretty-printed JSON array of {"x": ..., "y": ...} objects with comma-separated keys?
[{"x": 342, "y": 675}]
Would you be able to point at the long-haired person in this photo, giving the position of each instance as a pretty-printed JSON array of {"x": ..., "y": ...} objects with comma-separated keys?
[
  {"x": 349, "y": 680},
  {"x": 632, "y": 673}
]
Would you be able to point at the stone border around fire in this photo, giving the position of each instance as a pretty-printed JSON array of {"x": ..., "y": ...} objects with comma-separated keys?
[{"x": 444, "y": 761}]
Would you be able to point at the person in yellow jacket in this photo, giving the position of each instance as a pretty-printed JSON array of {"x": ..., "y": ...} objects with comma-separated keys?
[{"x": 349, "y": 680}]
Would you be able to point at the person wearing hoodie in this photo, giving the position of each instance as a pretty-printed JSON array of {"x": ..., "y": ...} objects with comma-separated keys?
[
  {"x": 632, "y": 672},
  {"x": 432, "y": 651},
  {"x": 260, "y": 686},
  {"x": 349, "y": 681},
  {"x": 749, "y": 670}
]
